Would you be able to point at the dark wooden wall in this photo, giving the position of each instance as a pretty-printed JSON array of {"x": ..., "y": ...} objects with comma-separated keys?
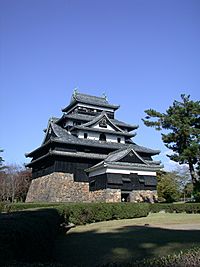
[{"x": 124, "y": 182}]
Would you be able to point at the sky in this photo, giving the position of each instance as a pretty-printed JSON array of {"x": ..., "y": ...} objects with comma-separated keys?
[{"x": 142, "y": 53}]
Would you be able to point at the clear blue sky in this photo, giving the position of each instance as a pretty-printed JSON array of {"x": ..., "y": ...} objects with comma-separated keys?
[{"x": 142, "y": 53}]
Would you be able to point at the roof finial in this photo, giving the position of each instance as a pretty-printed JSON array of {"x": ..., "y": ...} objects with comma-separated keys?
[
  {"x": 105, "y": 96},
  {"x": 75, "y": 92}
]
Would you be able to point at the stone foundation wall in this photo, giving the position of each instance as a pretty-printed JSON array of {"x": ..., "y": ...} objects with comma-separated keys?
[
  {"x": 60, "y": 187},
  {"x": 144, "y": 196}
]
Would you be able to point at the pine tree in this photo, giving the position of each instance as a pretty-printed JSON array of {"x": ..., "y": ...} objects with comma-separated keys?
[
  {"x": 182, "y": 122},
  {"x": 1, "y": 160}
]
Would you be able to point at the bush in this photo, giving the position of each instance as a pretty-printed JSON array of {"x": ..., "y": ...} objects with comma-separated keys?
[
  {"x": 9, "y": 207},
  {"x": 188, "y": 258},
  {"x": 82, "y": 213},
  {"x": 175, "y": 207},
  {"x": 2, "y": 207},
  {"x": 28, "y": 235}
]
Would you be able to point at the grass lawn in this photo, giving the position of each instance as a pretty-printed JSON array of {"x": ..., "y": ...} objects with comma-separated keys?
[{"x": 128, "y": 240}]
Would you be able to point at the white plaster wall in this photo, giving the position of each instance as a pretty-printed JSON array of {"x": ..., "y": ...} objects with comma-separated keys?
[
  {"x": 121, "y": 171},
  {"x": 90, "y": 106},
  {"x": 107, "y": 128},
  {"x": 95, "y": 136},
  {"x": 95, "y": 107},
  {"x": 111, "y": 170}
]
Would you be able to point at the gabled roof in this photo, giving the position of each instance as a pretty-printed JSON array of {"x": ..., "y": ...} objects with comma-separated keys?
[
  {"x": 89, "y": 99},
  {"x": 49, "y": 131},
  {"x": 98, "y": 119},
  {"x": 122, "y": 153},
  {"x": 88, "y": 126},
  {"x": 62, "y": 136},
  {"x": 113, "y": 160},
  {"x": 87, "y": 118}
]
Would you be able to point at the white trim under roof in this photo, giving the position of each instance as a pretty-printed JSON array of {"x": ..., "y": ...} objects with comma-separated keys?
[
  {"x": 90, "y": 106},
  {"x": 103, "y": 170}
]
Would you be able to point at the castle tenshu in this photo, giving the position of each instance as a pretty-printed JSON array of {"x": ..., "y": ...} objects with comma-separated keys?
[{"x": 88, "y": 155}]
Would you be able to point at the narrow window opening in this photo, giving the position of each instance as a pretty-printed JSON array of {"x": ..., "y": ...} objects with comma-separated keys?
[
  {"x": 102, "y": 137},
  {"x": 119, "y": 140},
  {"x": 85, "y": 135}
]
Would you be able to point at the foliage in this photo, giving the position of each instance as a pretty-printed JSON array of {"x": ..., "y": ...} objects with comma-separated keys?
[
  {"x": 175, "y": 207},
  {"x": 182, "y": 121},
  {"x": 14, "y": 183},
  {"x": 188, "y": 258},
  {"x": 1, "y": 161},
  {"x": 168, "y": 187},
  {"x": 28, "y": 235},
  {"x": 188, "y": 190},
  {"x": 82, "y": 213}
]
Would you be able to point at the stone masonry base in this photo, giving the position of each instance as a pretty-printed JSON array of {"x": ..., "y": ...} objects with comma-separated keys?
[
  {"x": 144, "y": 196},
  {"x": 61, "y": 187}
]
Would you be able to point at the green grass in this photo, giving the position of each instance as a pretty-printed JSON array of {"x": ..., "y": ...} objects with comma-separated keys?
[{"x": 128, "y": 240}]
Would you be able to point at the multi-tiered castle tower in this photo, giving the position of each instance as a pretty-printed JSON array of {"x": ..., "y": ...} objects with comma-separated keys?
[{"x": 88, "y": 155}]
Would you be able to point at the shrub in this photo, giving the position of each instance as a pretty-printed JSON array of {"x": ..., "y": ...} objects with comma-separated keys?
[
  {"x": 175, "y": 207},
  {"x": 187, "y": 258},
  {"x": 82, "y": 213},
  {"x": 9, "y": 207}
]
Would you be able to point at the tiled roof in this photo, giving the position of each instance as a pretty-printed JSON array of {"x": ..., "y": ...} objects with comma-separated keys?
[
  {"x": 69, "y": 154},
  {"x": 113, "y": 160},
  {"x": 121, "y": 153},
  {"x": 125, "y": 166},
  {"x": 98, "y": 118},
  {"x": 64, "y": 137},
  {"x": 103, "y": 130},
  {"x": 135, "y": 166},
  {"x": 87, "y": 118},
  {"x": 89, "y": 99}
]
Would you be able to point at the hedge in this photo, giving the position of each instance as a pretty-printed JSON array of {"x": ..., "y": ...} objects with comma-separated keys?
[
  {"x": 83, "y": 213},
  {"x": 9, "y": 207},
  {"x": 175, "y": 207},
  {"x": 28, "y": 235}
]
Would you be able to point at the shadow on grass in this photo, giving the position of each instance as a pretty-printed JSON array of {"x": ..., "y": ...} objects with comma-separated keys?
[
  {"x": 28, "y": 235},
  {"x": 124, "y": 244}
]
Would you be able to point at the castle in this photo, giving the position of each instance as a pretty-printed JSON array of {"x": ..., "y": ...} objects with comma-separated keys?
[{"x": 88, "y": 155}]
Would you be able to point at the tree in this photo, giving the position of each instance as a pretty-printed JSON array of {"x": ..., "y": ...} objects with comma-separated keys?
[
  {"x": 188, "y": 190},
  {"x": 182, "y": 122},
  {"x": 1, "y": 160},
  {"x": 168, "y": 187},
  {"x": 14, "y": 183}
]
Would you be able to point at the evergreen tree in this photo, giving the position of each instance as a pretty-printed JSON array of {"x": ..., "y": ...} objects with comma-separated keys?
[
  {"x": 182, "y": 122},
  {"x": 1, "y": 160},
  {"x": 168, "y": 187}
]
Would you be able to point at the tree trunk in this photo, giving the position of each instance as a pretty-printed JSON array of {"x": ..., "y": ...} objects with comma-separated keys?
[{"x": 193, "y": 174}]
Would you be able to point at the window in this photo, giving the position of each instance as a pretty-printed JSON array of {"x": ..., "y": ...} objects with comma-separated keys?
[
  {"x": 85, "y": 135},
  {"x": 102, "y": 137},
  {"x": 118, "y": 139}
]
